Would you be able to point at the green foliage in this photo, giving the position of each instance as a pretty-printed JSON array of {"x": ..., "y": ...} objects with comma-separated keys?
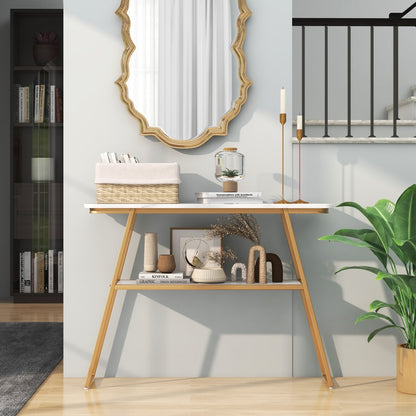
[
  {"x": 230, "y": 173},
  {"x": 392, "y": 239}
]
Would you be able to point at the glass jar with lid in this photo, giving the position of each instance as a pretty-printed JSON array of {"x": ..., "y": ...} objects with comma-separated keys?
[{"x": 229, "y": 168}]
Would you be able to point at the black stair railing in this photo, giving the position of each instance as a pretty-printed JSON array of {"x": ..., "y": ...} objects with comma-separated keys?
[{"x": 395, "y": 20}]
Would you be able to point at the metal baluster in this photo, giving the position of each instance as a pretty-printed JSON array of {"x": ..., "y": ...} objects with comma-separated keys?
[
  {"x": 349, "y": 82},
  {"x": 395, "y": 79},
  {"x": 326, "y": 82},
  {"x": 303, "y": 82},
  {"x": 372, "y": 82}
]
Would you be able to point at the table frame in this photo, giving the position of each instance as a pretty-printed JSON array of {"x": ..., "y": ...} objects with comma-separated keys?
[{"x": 284, "y": 210}]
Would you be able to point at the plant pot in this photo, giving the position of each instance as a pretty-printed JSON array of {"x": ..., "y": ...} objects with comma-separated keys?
[
  {"x": 166, "y": 263},
  {"x": 214, "y": 275},
  {"x": 406, "y": 369},
  {"x": 230, "y": 186},
  {"x": 45, "y": 53}
]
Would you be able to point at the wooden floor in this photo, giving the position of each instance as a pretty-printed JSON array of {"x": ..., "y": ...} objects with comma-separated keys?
[{"x": 206, "y": 396}]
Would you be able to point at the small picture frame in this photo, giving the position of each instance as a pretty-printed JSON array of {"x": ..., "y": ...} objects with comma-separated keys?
[{"x": 192, "y": 247}]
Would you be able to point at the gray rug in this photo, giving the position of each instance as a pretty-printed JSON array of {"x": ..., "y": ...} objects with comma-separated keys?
[{"x": 29, "y": 351}]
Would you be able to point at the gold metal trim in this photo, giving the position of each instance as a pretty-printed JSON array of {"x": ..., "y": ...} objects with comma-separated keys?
[{"x": 222, "y": 128}]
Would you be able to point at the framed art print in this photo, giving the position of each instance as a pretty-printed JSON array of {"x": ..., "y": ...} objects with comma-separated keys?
[{"x": 193, "y": 248}]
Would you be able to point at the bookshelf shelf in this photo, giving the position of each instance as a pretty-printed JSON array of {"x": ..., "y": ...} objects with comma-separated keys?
[{"x": 36, "y": 132}]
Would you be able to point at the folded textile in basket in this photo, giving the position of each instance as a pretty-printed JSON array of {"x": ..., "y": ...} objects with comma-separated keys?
[{"x": 137, "y": 174}]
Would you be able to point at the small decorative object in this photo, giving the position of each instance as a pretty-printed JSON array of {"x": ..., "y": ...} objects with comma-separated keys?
[
  {"x": 251, "y": 264},
  {"x": 277, "y": 268},
  {"x": 209, "y": 275},
  {"x": 229, "y": 168},
  {"x": 150, "y": 252},
  {"x": 239, "y": 266},
  {"x": 299, "y": 136},
  {"x": 283, "y": 122},
  {"x": 391, "y": 238},
  {"x": 166, "y": 263},
  {"x": 194, "y": 248},
  {"x": 43, "y": 169},
  {"x": 45, "y": 47}
]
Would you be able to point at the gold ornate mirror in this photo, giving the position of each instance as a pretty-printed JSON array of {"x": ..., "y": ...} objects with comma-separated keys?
[{"x": 183, "y": 67}]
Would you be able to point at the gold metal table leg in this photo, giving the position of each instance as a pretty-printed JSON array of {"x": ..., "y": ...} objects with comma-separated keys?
[
  {"x": 111, "y": 297},
  {"x": 306, "y": 298}
]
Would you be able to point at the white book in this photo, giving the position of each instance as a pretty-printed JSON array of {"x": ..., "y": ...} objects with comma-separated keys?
[
  {"x": 27, "y": 271},
  {"x": 21, "y": 104},
  {"x": 104, "y": 157},
  {"x": 36, "y": 109},
  {"x": 184, "y": 281},
  {"x": 162, "y": 276},
  {"x": 229, "y": 201},
  {"x": 35, "y": 272},
  {"x": 235, "y": 195},
  {"x": 51, "y": 287},
  {"x": 112, "y": 157},
  {"x": 52, "y": 106},
  {"x": 60, "y": 271}
]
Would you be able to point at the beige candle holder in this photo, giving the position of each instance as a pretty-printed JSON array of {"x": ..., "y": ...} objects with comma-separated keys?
[
  {"x": 283, "y": 122},
  {"x": 299, "y": 136}
]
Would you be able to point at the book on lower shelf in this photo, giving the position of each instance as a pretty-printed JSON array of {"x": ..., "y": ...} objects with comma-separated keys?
[{"x": 161, "y": 276}]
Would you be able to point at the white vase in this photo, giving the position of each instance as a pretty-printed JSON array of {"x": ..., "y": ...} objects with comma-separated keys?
[{"x": 150, "y": 252}]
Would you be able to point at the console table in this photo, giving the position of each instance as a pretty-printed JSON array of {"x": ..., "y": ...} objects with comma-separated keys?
[{"x": 284, "y": 210}]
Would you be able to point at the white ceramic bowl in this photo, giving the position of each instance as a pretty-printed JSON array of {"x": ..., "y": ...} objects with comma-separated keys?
[{"x": 216, "y": 275}]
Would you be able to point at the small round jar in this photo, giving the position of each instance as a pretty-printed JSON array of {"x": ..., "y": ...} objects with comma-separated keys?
[{"x": 229, "y": 168}]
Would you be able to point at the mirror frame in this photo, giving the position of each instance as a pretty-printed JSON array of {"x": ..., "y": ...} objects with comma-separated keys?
[{"x": 222, "y": 128}]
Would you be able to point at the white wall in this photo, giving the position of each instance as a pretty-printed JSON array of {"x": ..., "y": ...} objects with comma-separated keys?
[
  {"x": 159, "y": 333},
  {"x": 5, "y": 6},
  {"x": 216, "y": 334}
]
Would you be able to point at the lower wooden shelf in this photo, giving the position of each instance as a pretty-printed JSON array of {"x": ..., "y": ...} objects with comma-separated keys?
[
  {"x": 38, "y": 297},
  {"x": 287, "y": 285}
]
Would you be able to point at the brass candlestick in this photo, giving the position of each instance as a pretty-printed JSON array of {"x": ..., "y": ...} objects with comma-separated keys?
[
  {"x": 283, "y": 122},
  {"x": 299, "y": 136}
]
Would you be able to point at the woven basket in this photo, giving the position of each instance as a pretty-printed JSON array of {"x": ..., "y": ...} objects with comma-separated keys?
[{"x": 109, "y": 193}]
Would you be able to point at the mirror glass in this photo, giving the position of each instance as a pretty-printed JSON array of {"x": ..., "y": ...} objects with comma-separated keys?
[{"x": 185, "y": 67}]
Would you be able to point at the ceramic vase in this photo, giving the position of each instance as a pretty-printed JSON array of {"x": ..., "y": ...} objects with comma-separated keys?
[
  {"x": 166, "y": 263},
  {"x": 150, "y": 252}
]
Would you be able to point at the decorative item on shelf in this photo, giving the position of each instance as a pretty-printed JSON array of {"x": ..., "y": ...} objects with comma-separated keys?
[
  {"x": 45, "y": 48},
  {"x": 246, "y": 226},
  {"x": 194, "y": 248},
  {"x": 283, "y": 122},
  {"x": 262, "y": 265},
  {"x": 299, "y": 136},
  {"x": 391, "y": 238},
  {"x": 277, "y": 268},
  {"x": 208, "y": 275},
  {"x": 137, "y": 183},
  {"x": 43, "y": 169},
  {"x": 243, "y": 270},
  {"x": 229, "y": 197},
  {"x": 166, "y": 263},
  {"x": 150, "y": 252},
  {"x": 229, "y": 168}
]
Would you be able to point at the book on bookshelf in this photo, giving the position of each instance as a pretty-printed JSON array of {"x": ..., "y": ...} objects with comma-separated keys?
[
  {"x": 52, "y": 107},
  {"x": 36, "y": 106},
  {"x": 227, "y": 195},
  {"x": 41, "y": 103},
  {"x": 26, "y": 105},
  {"x": 51, "y": 270},
  {"x": 60, "y": 271},
  {"x": 21, "y": 104},
  {"x": 26, "y": 272},
  {"x": 162, "y": 276}
]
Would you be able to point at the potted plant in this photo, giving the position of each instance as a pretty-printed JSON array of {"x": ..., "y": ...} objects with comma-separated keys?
[
  {"x": 392, "y": 239},
  {"x": 230, "y": 184},
  {"x": 45, "y": 47}
]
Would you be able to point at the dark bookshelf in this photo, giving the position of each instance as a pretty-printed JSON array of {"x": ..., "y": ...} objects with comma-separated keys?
[{"x": 36, "y": 148}]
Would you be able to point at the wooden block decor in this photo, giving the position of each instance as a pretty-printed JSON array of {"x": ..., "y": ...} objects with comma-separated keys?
[
  {"x": 262, "y": 264},
  {"x": 277, "y": 268}
]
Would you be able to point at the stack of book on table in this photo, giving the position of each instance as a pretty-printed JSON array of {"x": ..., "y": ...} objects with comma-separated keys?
[
  {"x": 158, "y": 278},
  {"x": 229, "y": 197}
]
